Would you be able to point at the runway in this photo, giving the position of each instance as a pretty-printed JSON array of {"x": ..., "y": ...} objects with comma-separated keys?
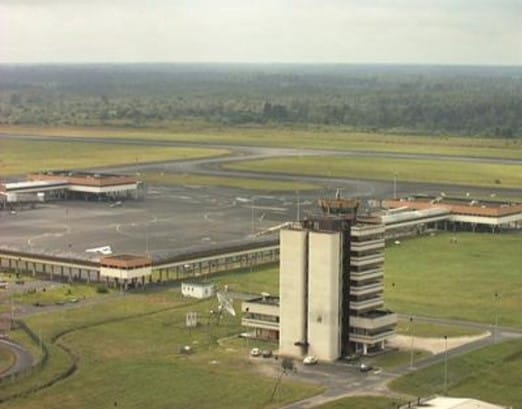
[{"x": 173, "y": 220}]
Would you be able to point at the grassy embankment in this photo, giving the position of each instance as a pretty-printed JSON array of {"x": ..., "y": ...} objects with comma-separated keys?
[
  {"x": 334, "y": 138},
  {"x": 496, "y": 176}
]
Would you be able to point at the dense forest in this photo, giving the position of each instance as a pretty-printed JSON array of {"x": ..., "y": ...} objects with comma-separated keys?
[{"x": 481, "y": 101}]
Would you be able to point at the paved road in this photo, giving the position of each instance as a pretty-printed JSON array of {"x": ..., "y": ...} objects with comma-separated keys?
[
  {"x": 23, "y": 359},
  {"x": 343, "y": 380}
]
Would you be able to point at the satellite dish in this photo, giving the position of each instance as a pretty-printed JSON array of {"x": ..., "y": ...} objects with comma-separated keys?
[{"x": 225, "y": 304}]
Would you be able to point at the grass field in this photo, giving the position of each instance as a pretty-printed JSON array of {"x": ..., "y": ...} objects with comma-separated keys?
[
  {"x": 261, "y": 279},
  {"x": 7, "y": 359},
  {"x": 11, "y": 277},
  {"x": 428, "y": 171},
  {"x": 362, "y": 402},
  {"x": 421, "y": 329},
  {"x": 266, "y": 185},
  {"x": 20, "y": 157},
  {"x": 431, "y": 276},
  {"x": 334, "y": 138},
  {"x": 140, "y": 335},
  {"x": 127, "y": 351},
  {"x": 493, "y": 374},
  {"x": 394, "y": 359},
  {"x": 62, "y": 294}
]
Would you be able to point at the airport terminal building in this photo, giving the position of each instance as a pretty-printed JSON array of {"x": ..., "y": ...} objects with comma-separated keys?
[
  {"x": 451, "y": 213},
  {"x": 67, "y": 184}
]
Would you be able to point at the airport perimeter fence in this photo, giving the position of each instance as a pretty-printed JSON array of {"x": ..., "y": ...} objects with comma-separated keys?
[
  {"x": 42, "y": 362},
  {"x": 36, "y": 366}
]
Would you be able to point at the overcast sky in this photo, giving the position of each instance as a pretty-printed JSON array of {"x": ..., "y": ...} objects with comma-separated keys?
[{"x": 311, "y": 31}]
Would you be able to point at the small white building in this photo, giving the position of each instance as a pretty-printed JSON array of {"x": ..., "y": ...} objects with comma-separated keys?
[
  {"x": 197, "y": 289},
  {"x": 442, "y": 402}
]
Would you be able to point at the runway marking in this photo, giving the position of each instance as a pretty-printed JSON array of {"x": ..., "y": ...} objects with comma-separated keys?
[
  {"x": 274, "y": 209},
  {"x": 67, "y": 230}
]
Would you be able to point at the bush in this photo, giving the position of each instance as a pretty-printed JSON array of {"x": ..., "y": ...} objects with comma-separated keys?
[{"x": 102, "y": 289}]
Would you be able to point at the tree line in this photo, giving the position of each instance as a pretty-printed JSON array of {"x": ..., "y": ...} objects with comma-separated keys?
[{"x": 428, "y": 99}]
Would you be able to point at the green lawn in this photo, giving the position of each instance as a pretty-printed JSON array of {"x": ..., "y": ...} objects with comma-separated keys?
[
  {"x": 362, "y": 402},
  {"x": 393, "y": 359},
  {"x": 421, "y": 329},
  {"x": 335, "y": 138},
  {"x": 57, "y": 295},
  {"x": 19, "y": 157},
  {"x": 127, "y": 347},
  {"x": 433, "y": 277},
  {"x": 429, "y": 171},
  {"x": 266, "y": 185},
  {"x": 11, "y": 277},
  {"x": 492, "y": 374},
  {"x": 128, "y": 354},
  {"x": 255, "y": 280}
]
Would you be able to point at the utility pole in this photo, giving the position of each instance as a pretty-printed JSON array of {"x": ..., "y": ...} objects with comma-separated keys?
[
  {"x": 496, "y": 319},
  {"x": 395, "y": 186},
  {"x": 411, "y": 346},
  {"x": 445, "y": 365},
  {"x": 252, "y": 217},
  {"x": 298, "y": 206}
]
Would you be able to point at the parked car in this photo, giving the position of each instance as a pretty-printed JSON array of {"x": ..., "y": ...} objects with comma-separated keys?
[
  {"x": 365, "y": 367},
  {"x": 255, "y": 352},
  {"x": 310, "y": 360},
  {"x": 266, "y": 353}
]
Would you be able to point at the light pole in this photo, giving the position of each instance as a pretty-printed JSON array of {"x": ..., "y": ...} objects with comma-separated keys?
[
  {"x": 298, "y": 206},
  {"x": 445, "y": 365},
  {"x": 496, "y": 319},
  {"x": 395, "y": 185},
  {"x": 252, "y": 215},
  {"x": 411, "y": 346}
]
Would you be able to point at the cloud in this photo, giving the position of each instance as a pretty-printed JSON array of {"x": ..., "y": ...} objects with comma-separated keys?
[{"x": 408, "y": 31}]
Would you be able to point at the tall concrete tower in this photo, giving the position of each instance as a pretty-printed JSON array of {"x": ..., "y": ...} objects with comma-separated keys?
[{"x": 331, "y": 285}]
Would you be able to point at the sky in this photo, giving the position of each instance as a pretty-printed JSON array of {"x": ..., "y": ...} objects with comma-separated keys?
[{"x": 477, "y": 32}]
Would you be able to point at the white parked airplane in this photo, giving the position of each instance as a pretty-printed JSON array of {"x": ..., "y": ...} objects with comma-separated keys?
[{"x": 105, "y": 250}]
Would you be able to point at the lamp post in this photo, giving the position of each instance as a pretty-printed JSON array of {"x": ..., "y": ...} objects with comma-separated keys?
[
  {"x": 298, "y": 206},
  {"x": 395, "y": 185},
  {"x": 252, "y": 216},
  {"x": 411, "y": 346},
  {"x": 496, "y": 319},
  {"x": 445, "y": 365}
]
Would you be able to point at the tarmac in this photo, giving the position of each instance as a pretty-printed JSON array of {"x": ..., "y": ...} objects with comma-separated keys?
[{"x": 174, "y": 220}]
